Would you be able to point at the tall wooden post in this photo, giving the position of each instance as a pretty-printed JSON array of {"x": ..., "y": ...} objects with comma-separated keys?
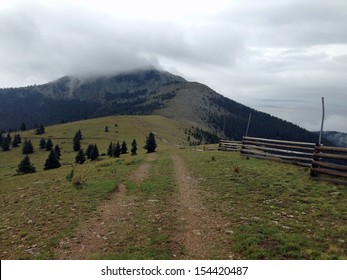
[
  {"x": 321, "y": 128},
  {"x": 249, "y": 120}
]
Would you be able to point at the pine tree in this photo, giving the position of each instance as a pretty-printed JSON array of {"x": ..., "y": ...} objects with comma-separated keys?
[
  {"x": 133, "y": 148},
  {"x": 16, "y": 140},
  {"x": 27, "y": 147},
  {"x": 81, "y": 157},
  {"x": 151, "y": 144},
  {"x": 23, "y": 127},
  {"x": 57, "y": 151},
  {"x": 89, "y": 150},
  {"x": 25, "y": 166},
  {"x": 78, "y": 136},
  {"x": 40, "y": 129},
  {"x": 94, "y": 153},
  {"x": 49, "y": 145},
  {"x": 9, "y": 138},
  {"x": 5, "y": 145},
  {"x": 77, "y": 141},
  {"x": 124, "y": 148},
  {"x": 76, "y": 145},
  {"x": 116, "y": 151},
  {"x": 110, "y": 150},
  {"x": 42, "y": 144},
  {"x": 52, "y": 161}
]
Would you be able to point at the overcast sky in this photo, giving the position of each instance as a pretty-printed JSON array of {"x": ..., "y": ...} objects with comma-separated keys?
[{"x": 276, "y": 56}]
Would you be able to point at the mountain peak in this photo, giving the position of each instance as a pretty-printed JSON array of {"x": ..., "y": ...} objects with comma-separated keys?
[
  {"x": 141, "y": 92},
  {"x": 95, "y": 87}
]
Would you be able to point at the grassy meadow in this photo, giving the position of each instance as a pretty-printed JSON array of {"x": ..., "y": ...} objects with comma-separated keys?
[
  {"x": 275, "y": 210},
  {"x": 39, "y": 209}
]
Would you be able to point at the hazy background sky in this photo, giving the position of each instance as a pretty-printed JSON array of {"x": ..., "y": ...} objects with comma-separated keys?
[{"x": 276, "y": 56}]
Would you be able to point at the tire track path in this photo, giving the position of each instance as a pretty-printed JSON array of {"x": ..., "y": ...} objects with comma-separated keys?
[
  {"x": 201, "y": 233},
  {"x": 112, "y": 218}
]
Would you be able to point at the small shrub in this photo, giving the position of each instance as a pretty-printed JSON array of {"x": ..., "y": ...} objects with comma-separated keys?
[
  {"x": 78, "y": 183},
  {"x": 70, "y": 175}
]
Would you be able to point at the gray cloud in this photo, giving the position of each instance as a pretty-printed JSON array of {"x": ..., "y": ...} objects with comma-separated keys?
[{"x": 276, "y": 56}]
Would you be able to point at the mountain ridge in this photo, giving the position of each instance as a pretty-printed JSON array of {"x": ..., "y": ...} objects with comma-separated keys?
[
  {"x": 142, "y": 92},
  {"x": 337, "y": 138}
]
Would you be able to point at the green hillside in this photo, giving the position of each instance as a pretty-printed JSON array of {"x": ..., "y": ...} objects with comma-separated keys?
[{"x": 175, "y": 203}]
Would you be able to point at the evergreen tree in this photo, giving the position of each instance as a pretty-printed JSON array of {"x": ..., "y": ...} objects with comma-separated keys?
[
  {"x": 94, "y": 153},
  {"x": 42, "y": 144},
  {"x": 133, "y": 148},
  {"x": 79, "y": 133},
  {"x": 16, "y": 140},
  {"x": 23, "y": 127},
  {"x": 78, "y": 136},
  {"x": 57, "y": 151},
  {"x": 27, "y": 147},
  {"x": 9, "y": 138},
  {"x": 106, "y": 128},
  {"x": 151, "y": 144},
  {"x": 52, "y": 161},
  {"x": 110, "y": 150},
  {"x": 76, "y": 145},
  {"x": 25, "y": 166},
  {"x": 124, "y": 148},
  {"x": 89, "y": 151},
  {"x": 49, "y": 145},
  {"x": 40, "y": 129},
  {"x": 81, "y": 157},
  {"x": 116, "y": 151},
  {"x": 5, "y": 145},
  {"x": 77, "y": 141}
]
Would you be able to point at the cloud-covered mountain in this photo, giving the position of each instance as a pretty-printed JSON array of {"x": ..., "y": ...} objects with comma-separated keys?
[{"x": 140, "y": 92}]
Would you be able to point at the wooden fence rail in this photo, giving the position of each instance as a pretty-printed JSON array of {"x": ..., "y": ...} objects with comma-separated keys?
[
  {"x": 226, "y": 145},
  {"x": 325, "y": 160},
  {"x": 330, "y": 161},
  {"x": 300, "y": 153}
]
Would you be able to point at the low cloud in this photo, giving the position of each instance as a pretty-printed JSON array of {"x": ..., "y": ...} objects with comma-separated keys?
[{"x": 277, "y": 56}]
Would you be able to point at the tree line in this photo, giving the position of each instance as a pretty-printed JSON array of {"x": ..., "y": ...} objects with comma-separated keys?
[{"x": 53, "y": 159}]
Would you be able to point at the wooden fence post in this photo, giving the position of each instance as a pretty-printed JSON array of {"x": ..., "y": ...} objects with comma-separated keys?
[
  {"x": 315, "y": 158},
  {"x": 243, "y": 145}
]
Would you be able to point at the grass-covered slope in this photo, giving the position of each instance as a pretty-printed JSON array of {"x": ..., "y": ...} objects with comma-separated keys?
[
  {"x": 264, "y": 210},
  {"x": 276, "y": 210},
  {"x": 39, "y": 209}
]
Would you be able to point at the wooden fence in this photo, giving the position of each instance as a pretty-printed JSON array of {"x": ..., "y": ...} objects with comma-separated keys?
[
  {"x": 330, "y": 161},
  {"x": 324, "y": 160},
  {"x": 300, "y": 153},
  {"x": 226, "y": 145}
]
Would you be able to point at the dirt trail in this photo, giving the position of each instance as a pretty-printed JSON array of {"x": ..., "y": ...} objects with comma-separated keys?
[
  {"x": 111, "y": 218},
  {"x": 142, "y": 172},
  {"x": 201, "y": 233}
]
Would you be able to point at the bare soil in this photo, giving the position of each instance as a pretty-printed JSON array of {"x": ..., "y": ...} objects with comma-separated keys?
[
  {"x": 201, "y": 233},
  {"x": 196, "y": 232}
]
